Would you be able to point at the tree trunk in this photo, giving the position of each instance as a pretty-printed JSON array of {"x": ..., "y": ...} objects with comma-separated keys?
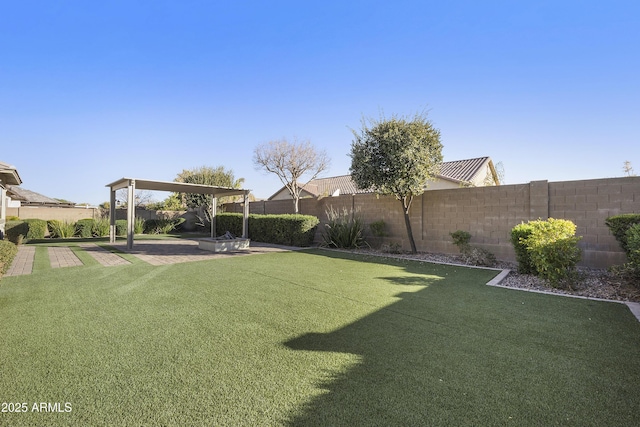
[
  {"x": 407, "y": 223},
  {"x": 295, "y": 204}
]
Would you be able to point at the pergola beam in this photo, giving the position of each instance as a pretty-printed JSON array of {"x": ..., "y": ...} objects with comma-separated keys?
[{"x": 132, "y": 184}]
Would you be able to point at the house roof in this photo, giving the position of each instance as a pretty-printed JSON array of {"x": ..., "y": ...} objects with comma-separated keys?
[
  {"x": 31, "y": 197},
  {"x": 462, "y": 171},
  {"x": 328, "y": 186},
  {"x": 9, "y": 175}
]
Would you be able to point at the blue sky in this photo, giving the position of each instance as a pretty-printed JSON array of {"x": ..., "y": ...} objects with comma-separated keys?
[{"x": 94, "y": 91}]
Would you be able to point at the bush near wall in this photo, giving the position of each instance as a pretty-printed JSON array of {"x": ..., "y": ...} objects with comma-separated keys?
[
  {"x": 630, "y": 271},
  {"x": 519, "y": 235},
  {"x": 292, "y": 230},
  {"x": 14, "y": 229},
  {"x": 619, "y": 225},
  {"x": 8, "y": 252},
  {"x": 552, "y": 250},
  {"x": 121, "y": 227},
  {"x": 29, "y": 229},
  {"x": 84, "y": 227}
]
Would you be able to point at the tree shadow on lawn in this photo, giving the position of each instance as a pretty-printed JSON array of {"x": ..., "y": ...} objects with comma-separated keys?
[{"x": 461, "y": 353}]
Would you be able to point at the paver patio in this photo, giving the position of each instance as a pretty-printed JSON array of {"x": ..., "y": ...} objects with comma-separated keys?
[
  {"x": 60, "y": 257},
  {"x": 23, "y": 262},
  {"x": 154, "y": 252},
  {"x": 103, "y": 256},
  {"x": 162, "y": 252}
]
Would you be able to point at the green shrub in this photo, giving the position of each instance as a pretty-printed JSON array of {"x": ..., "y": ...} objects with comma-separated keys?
[
  {"x": 121, "y": 227},
  {"x": 8, "y": 251},
  {"x": 292, "y": 229},
  {"x": 231, "y": 222},
  {"x": 61, "y": 229},
  {"x": 37, "y": 228},
  {"x": 633, "y": 243},
  {"x": 343, "y": 230},
  {"x": 519, "y": 235},
  {"x": 472, "y": 255},
  {"x": 552, "y": 250},
  {"x": 12, "y": 218},
  {"x": 160, "y": 226},
  {"x": 14, "y": 229},
  {"x": 28, "y": 229},
  {"x": 378, "y": 228},
  {"x": 100, "y": 227},
  {"x": 138, "y": 225},
  {"x": 84, "y": 228},
  {"x": 630, "y": 271},
  {"x": 460, "y": 238},
  {"x": 619, "y": 225}
]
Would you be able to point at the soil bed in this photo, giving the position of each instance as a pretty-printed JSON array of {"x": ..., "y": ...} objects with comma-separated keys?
[{"x": 593, "y": 283}]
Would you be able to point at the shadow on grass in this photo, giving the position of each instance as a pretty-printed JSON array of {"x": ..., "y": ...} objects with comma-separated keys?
[{"x": 457, "y": 354}]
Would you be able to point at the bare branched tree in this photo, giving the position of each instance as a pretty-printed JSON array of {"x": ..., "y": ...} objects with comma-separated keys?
[
  {"x": 628, "y": 168},
  {"x": 141, "y": 197},
  {"x": 290, "y": 161}
]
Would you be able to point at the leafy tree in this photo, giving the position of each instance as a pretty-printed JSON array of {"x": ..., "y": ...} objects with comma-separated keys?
[
  {"x": 290, "y": 161},
  {"x": 173, "y": 203},
  {"x": 207, "y": 175},
  {"x": 396, "y": 156}
]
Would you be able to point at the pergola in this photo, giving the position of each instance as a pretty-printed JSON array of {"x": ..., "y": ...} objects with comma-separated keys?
[{"x": 132, "y": 184}]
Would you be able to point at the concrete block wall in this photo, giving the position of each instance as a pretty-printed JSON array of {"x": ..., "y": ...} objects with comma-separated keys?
[
  {"x": 489, "y": 214},
  {"x": 588, "y": 203},
  {"x": 47, "y": 213}
]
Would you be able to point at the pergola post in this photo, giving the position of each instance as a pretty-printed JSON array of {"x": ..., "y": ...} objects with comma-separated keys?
[
  {"x": 245, "y": 218},
  {"x": 214, "y": 208},
  {"x": 112, "y": 216},
  {"x": 3, "y": 210},
  {"x": 131, "y": 212}
]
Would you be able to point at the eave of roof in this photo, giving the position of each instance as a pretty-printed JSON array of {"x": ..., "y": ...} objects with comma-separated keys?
[{"x": 9, "y": 174}]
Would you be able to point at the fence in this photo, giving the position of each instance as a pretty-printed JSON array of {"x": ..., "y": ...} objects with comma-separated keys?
[{"x": 488, "y": 213}]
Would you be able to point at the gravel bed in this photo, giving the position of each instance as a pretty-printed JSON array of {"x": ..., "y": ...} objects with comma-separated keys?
[{"x": 593, "y": 283}]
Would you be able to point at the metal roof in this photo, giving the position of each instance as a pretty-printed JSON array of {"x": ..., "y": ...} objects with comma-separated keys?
[
  {"x": 457, "y": 170},
  {"x": 462, "y": 170}
]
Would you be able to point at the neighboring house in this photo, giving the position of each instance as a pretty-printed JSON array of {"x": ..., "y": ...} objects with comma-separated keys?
[
  {"x": 8, "y": 176},
  {"x": 476, "y": 172},
  {"x": 31, "y": 198}
]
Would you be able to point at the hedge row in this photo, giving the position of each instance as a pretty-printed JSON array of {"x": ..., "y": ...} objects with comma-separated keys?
[
  {"x": 28, "y": 229},
  {"x": 8, "y": 252},
  {"x": 292, "y": 230}
]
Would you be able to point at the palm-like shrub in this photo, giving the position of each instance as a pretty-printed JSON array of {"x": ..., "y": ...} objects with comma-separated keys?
[
  {"x": 62, "y": 229},
  {"x": 343, "y": 230}
]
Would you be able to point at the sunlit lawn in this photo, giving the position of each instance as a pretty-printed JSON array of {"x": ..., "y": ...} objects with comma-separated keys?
[{"x": 309, "y": 338}]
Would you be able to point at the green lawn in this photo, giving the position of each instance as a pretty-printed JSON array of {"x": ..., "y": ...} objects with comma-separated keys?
[{"x": 309, "y": 338}]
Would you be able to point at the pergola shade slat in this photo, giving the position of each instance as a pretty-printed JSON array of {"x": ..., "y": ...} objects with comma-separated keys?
[{"x": 132, "y": 184}]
